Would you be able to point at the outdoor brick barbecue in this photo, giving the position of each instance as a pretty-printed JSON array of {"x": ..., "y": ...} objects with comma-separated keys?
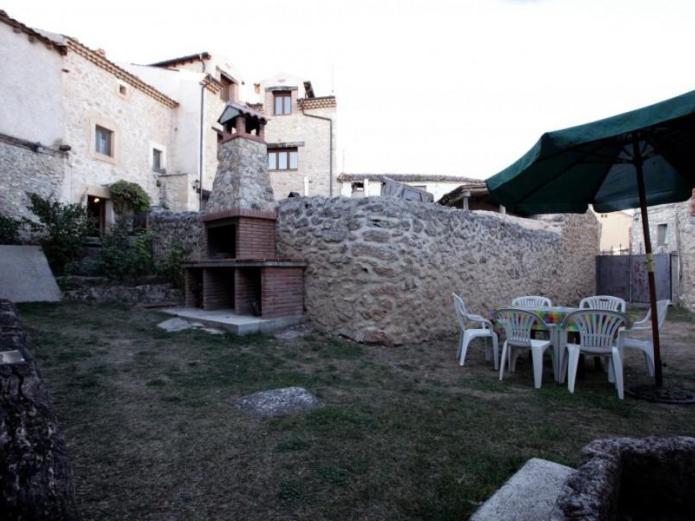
[{"x": 239, "y": 269}]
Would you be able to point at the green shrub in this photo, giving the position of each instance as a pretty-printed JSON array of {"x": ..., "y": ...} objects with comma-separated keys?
[
  {"x": 9, "y": 230},
  {"x": 61, "y": 228},
  {"x": 129, "y": 197},
  {"x": 171, "y": 268},
  {"x": 125, "y": 257}
]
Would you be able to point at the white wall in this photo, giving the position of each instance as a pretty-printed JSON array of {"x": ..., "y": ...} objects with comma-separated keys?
[
  {"x": 31, "y": 86},
  {"x": 183, "y": 85}
]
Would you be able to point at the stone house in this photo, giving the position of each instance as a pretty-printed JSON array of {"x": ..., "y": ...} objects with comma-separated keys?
[
  {"x": 368, "y": 185},
  {"x": 90, "y": 122},
  {"x": 201, "y": 83},
  {"x": 301, "y": 137},
  {"x": 672, "y": 230},
  {"x": 80, "y": 128}
]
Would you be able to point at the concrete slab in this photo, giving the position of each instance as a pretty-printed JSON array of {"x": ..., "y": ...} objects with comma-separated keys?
[
  {"x": 529, "y": 495},
  {"x": 230, "y": 321},
  {"x": 25, "y": 275}
]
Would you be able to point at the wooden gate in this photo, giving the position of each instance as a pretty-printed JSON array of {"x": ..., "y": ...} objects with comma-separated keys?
[{"x": 625, "y": 276}]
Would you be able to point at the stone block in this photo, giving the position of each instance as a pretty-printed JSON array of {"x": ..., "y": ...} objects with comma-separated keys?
[
  {"x": 529, "y": 495},
  {"x": 25, "y": 275},
  {"x": 277, "y": 402}
]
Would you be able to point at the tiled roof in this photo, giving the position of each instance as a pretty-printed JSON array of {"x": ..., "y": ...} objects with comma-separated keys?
[
  {"x": 54, "y": 41},
  {"x": 477, "y": 189},
  {"x": 183, "y": 59},
  {"x": 322, "y": 102},
  {"x": 232, "y": 109},
  {"x": 412, "y": 178},
  {"x": 63, "y": 43},
  {"x": 101, "y": 61}
]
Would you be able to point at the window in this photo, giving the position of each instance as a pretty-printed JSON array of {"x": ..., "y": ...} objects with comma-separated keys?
[
  {"x": 283, "y": 159},
  {"x": 661, "y": 234},
  {"x": 357, "y": 189},
  {"x": 122, "y": 89},
  {"x": 228, "y": 92},
  {"x": 283, "y": 102},
  {"x": 157, "y": 160},
  {"x": 103, "y": 142}
]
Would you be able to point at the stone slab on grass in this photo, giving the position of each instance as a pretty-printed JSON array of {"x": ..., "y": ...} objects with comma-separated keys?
[
  {"x": 174, "y": 325},
  {"x": 529, "y": 495},
  {"x": 25, "y": 275},
  {"x": 293, "y": 333},
  {"x": 276, "y": 402}
]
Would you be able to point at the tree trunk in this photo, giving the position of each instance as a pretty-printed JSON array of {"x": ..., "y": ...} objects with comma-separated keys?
[{"x": 35, "y": 474}]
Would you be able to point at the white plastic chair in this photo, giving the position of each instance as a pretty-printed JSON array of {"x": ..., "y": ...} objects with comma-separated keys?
[
  {"x": 532, "y": 302},
  {"x": 643, "y": 328},
  {"x": 599, "y": 332},
  {"x": 484, "y": 329},
  {"x": 517, "y": 324},
  {"x": 604, "y": 302}
]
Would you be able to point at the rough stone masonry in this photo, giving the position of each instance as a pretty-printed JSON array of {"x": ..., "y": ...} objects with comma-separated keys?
[
  {"x": 382, "y": 270},
  {"x": 242, "y": 179}
]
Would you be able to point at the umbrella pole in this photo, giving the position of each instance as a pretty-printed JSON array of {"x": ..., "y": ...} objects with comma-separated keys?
[{"x": 638, "y": 161}]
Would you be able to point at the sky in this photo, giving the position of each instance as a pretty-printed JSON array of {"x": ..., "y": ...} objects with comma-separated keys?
[{"x": 459, "y": 87}]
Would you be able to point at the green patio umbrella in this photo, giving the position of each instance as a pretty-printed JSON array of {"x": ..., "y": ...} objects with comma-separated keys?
[{"x": 636, "y": 159}]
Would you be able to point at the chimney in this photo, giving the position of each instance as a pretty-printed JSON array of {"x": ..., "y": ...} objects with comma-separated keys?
[{"x": 242, "y": 181}]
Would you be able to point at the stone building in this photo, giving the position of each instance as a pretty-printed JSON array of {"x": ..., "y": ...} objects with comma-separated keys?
[
  {"x": 86, "y": 124},
  {"x": 201, "y": 83},
  {"x": 367, "y": 185},
  {"x": 672, "y": 230},
  {"x": 90, "y": 122},
  {"x": 32, "y": 124},
  {"x": 300, "y": 136}
]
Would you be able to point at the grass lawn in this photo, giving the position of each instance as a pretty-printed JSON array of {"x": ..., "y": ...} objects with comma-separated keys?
[{"x": 404, "y": 432}]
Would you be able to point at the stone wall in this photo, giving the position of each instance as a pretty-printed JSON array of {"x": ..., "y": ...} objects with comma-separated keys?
[
  {"x": 23, "y": 170},
  {"x": 35, "y": 471},
  {"x": 174, "y": 229},
  {"x": 143, "y": 294},
  {"x": 679, "y": 220},
  {"x": 383, "y": 270}
]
